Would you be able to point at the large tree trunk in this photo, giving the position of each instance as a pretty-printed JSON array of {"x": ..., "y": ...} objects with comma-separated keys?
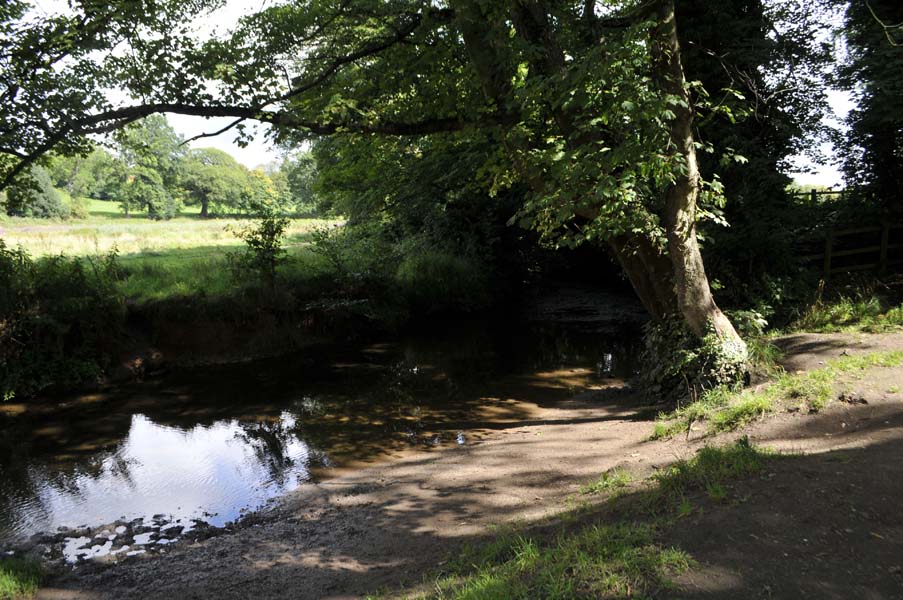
[
  {"x": 649, "y": 272},
  {"x": 691, "y": 285},
  {"x": 204, "y": 207}
]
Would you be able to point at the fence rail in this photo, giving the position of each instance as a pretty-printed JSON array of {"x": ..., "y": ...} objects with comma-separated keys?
[{"x": 876, "y": 249}]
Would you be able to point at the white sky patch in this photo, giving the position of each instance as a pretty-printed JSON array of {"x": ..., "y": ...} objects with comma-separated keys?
[{"x": 809, "y": 172}]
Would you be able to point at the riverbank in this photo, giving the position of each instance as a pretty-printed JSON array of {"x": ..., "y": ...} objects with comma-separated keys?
[{"x": 393, "y": 524}]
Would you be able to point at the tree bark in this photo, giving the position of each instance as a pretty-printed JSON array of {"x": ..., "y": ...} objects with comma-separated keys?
[
  {"x": 204, "y": 204},
  {"x": 691, "y": 285}
]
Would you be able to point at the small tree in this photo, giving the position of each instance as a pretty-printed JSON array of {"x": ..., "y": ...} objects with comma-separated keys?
[{"x": 264, "y": 250}]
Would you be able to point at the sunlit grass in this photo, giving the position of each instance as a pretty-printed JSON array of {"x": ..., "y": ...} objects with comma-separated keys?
[
  {"x": 725, "y": 409},
  {"x": 19, "y": 578},
  {"x": 607, "y": 482},
  {"x": 103, "y": 232},
  {"x": 867, "y": 313}
]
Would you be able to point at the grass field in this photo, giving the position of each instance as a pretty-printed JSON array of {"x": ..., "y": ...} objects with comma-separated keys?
[
  {"x": 107, "y": 228},
  {"x": 182, "y": 256}
]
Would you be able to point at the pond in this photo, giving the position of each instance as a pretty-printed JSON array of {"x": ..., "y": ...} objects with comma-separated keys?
[{"x": 154, "y": 460}]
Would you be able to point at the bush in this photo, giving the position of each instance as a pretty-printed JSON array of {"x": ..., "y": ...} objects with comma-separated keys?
[
  {"x": 35, "y": 196},
  {"x": 59, "y": 318},
  {"x": 264, "y": 251}
]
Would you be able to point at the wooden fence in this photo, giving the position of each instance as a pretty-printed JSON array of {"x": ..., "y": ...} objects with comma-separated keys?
[{"x": 862, "y": 249}]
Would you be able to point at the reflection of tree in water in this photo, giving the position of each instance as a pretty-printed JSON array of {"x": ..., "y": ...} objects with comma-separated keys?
[
  {"x": 271, "y": 443},
  {"x": 28, "y": 479}
]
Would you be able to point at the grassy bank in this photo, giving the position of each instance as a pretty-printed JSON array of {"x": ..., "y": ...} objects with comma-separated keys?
[{"x": 724, "y": 409}]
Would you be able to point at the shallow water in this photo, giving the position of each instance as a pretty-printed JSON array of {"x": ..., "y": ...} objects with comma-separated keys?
[{"x": 208, "y": 445}]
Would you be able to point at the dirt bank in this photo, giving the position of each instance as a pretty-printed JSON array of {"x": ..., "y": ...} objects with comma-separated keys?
[{"x": 824, "y": 524}]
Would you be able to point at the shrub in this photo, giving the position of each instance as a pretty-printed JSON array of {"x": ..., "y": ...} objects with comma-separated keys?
[
  {"x": 59, "y": 318},
  {"x": 264, "y": 251}
]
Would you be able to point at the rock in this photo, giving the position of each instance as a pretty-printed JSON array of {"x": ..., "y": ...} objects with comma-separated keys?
[{"x": 852, "y": 398}]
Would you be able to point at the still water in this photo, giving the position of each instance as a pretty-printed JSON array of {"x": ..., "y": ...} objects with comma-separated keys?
[{"x": 207, "y": 445}]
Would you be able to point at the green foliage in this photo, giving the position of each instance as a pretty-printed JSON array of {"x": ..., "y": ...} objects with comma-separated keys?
[
  {"x": 873, "y": 144},
  {"x": 213, "y": 180},
  {"x": 144, "y": 189},
  {"x": 435, "y": 281},
  {"x": 33, "y": 195},
  {"x": 264, "y": 252},
  {"x": 678, "y": 363},
  {"x": 300, "y": 172},
  {"x": 19, "y": 578},
  {"x": 609, "y": 481},
  {"x": 58, "y": 319}
]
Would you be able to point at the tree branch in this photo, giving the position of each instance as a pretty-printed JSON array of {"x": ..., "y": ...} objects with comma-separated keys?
[{"x": 214, "y": 133}]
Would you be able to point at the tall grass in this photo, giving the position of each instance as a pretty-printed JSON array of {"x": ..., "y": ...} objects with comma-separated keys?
[
  {"x": 862, "y": 312},
  {"x": 19, "y": 578}
]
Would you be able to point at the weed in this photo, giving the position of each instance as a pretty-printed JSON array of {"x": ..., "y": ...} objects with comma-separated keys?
[
  {"x": 607, "y": 482},
  {"x": 865, "y": 312},
  {"x": 19, "y": 578}
]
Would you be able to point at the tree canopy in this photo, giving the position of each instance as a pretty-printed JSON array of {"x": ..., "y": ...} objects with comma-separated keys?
[{"x": 594, "y": 112}]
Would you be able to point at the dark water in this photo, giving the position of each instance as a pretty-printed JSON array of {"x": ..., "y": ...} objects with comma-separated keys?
[{"x": 210, "y": 444}]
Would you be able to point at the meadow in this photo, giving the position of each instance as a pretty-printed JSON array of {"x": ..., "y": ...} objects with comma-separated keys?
[{"x": 160, "y": 259}]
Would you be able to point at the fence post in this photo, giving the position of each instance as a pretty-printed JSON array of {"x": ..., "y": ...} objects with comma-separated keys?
[
  {"x": 814, "y": 196},
  {"x": 885, "y": 238},
  {"x": 829, "y": 245}
]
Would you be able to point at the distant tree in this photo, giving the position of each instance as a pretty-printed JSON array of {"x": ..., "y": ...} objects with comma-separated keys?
[
  {"x": 261, "y": 195},
  {"x": 152, "y": 152},
  {"x": 33, "y": 195},
  {"x": 300, "y": 172},
  {"x": 143, "y": 188},
  {"x": 213, "y": 180}
]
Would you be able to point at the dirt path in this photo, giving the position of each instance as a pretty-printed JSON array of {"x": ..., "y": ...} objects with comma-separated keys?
[{"x": 390, "y": 524}]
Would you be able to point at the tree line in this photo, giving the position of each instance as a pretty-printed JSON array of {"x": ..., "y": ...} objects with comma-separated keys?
[{"x": 148, "y": 168}]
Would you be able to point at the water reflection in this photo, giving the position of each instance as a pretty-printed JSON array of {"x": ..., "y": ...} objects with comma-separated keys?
[
  {"x": 164, "y": 470},
  {"x": 209, "y": 444}
]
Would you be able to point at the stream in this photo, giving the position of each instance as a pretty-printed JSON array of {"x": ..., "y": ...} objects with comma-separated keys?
[{"x": 137, "y": 467}]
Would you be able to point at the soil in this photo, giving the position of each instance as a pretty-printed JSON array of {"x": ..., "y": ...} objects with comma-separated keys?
[{"x": 824, "y": 522}]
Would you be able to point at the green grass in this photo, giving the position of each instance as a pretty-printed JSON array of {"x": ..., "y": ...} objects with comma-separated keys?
[
  {"x": 726, "y": 409},
  {"x": 865, "y": 312},
  {"x": 184, "y": 256},
  {"x": 19, "y": 578},
  {"x": 608, "y": 482},
  {"x": 605, "y": 553},
  {"x": 107, "y": 228},
  {"x": 710, "y": 471}
]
